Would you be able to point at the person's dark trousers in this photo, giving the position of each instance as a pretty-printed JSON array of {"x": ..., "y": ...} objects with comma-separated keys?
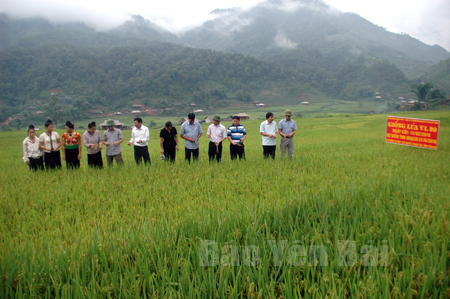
[
  {"x": 213, "y": 153},
  {"x": 191, "y": 152},
  {"x": 95, "y": 160},
  {"x": 72, "y": 161},
  {"x": 269, "y": 150},
  {"x": 36, "y": 164},
  {"x": 236, "y": 150},
  {"x": 169, "y": 152},
  {"x": 52, "y": 160},
  {"x": 141, "y": 153}
]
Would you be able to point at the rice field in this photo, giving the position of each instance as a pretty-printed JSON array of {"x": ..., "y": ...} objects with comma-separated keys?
[{"x": 349, "y": 217}]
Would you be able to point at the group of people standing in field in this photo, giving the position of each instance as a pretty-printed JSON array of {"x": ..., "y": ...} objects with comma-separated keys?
[{"x": 44, "y": 152}]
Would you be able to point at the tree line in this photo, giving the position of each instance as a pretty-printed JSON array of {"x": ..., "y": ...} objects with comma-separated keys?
[{"x": 114, "y": 77}]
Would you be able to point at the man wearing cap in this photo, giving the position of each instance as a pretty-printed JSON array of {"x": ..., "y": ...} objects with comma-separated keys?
[
  {"x": 236, "y": 134},
  {"x": 191, "y": 131},
  {"x": 112, "y": 138},
  {"x": 286, "y": 128},
  {"x": 139, "y": 138},
  {"x": 216, "y": 134}
]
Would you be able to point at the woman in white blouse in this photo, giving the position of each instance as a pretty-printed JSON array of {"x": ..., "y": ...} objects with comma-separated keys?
[
  {"x": 32, "y": 153},
  {"x": 50, "y": 142}
]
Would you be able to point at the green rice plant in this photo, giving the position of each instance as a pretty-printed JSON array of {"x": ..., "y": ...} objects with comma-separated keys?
[{"x": 350, "y": 216}]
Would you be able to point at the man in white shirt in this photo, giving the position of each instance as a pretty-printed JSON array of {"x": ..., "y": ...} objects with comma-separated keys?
[
  {"x": 140, "y": 137},
  {"x": 216, "y": 134},
  {"x": 268, "y": 131}
]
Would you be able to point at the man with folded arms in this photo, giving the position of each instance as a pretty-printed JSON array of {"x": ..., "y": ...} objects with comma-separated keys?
[
  {"x": 139, "y": 138},
  {"x": 286, "y": 128},
  {"x": 216, "y": 134}
]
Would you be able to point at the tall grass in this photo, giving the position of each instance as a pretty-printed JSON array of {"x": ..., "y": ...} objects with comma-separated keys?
[{"x": 130, "y": 231}]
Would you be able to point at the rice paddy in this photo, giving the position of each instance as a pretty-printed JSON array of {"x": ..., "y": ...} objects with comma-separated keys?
[{"x": 349, "y": 217}]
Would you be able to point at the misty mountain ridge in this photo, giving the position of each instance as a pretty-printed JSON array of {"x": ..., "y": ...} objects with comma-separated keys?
[
  {"x": 268, "y": 27},
  {"x": 36, "y": 32},
  {"x": 314, "y": 50},
  {"x": 140, "y": 27},
  {"x": 274, "y": 25}
]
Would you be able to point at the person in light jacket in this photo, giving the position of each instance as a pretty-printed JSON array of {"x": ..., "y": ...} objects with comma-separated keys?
[{"x": 32, "y": 152}]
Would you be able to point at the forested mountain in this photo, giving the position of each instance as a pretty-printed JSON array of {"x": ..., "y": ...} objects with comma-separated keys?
[
  {"x": 274, "y": 26},
  {"x": 290, "y": 49},
  {"x": 167, "y": 71},
  {"x": 439, "y": 75},
  {"x": 120, "y": 75}
]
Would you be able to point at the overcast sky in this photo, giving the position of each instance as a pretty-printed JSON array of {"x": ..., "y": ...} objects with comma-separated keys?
[{"x": 427, "y": 20}]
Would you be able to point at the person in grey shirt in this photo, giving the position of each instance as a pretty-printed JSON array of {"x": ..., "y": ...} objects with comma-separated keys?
[
  {"x": 112, "y": 138},
  {"x": 287, "y": 128},
  {"x": 191, "y": 131}
]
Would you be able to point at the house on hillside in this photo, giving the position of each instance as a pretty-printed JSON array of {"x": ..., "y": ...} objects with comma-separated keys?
[
  {"x": 117, "y": 124},
  {"x": 243, "y": 116},
  {"x": 134, "y": 112},
  {"x": 260, "y": 105},
  {"x": 136, "y": 107},
  {"x": 95, "y": 112},
  {"x": 412, "y": 102},
  {"x": 304, "y": 103},
  {"x": 198, "y": 111}
]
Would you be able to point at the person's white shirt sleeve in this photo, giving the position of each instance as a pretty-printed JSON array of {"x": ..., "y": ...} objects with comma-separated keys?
[
  {"x": 146, "y": 135},
  {"x": 25, "y": 151},
  {"x": 224, "y": 132},
  {"x": 208, "y": 132},
  {"x": 132, "y": 136}
]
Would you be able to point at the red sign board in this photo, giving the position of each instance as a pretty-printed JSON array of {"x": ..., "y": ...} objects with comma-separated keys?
[{"x": 415, "y": 132}]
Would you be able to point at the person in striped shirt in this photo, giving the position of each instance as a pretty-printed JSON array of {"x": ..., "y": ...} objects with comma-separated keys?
[{"x": 236, "y": 134}]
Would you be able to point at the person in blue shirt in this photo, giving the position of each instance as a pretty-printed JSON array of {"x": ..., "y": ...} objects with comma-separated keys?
[{"x": 191, "y": 131}]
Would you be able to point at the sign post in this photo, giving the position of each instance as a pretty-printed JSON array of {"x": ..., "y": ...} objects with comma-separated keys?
[{"x": 414, "y": 132}]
